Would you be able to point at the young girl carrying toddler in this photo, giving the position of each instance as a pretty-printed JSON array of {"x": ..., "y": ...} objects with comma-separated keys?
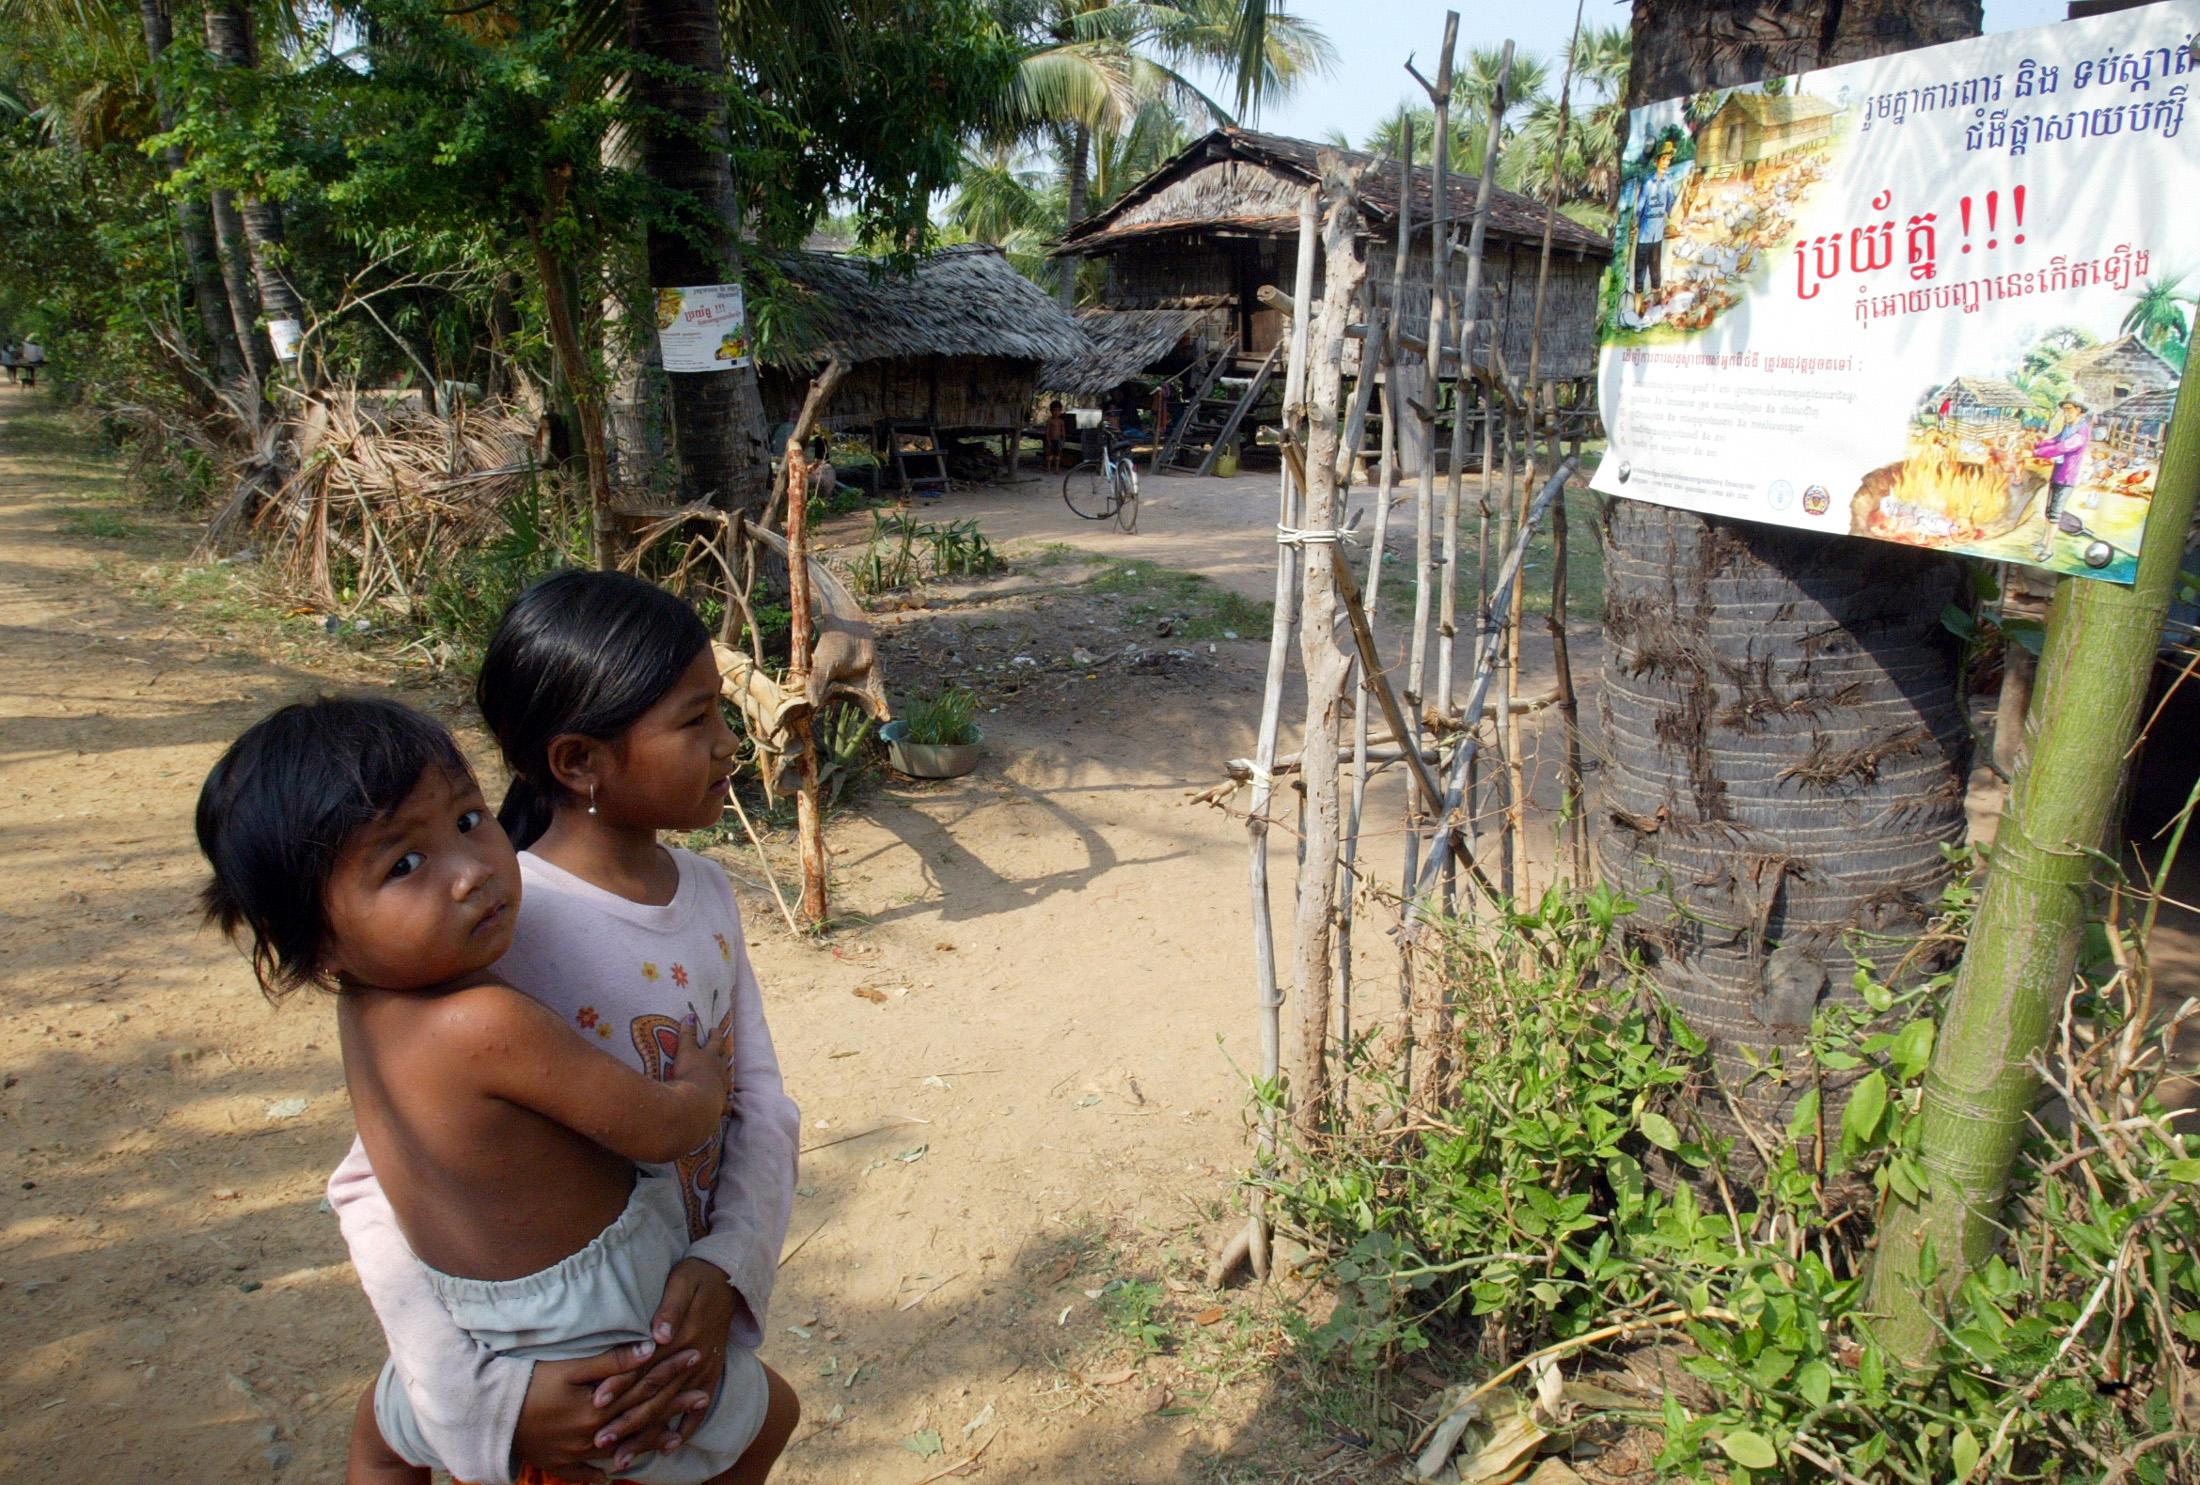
[{"x": 603, "y": 697}]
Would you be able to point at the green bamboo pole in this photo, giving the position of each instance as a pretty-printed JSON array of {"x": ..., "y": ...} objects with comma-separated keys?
[{"x": 2101, "y": 641}]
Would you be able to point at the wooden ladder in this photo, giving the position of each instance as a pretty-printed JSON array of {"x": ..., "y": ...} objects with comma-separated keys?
[
  {"x": 1244, "y": 404},
  {"x": 916, "y": 460},
  {"x": 1172, "y": 448}
]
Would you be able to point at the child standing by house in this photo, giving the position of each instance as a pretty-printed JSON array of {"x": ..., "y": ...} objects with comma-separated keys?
[
  {"x": 604, "y": 699},
  {"x": 1057, "y": 434}
]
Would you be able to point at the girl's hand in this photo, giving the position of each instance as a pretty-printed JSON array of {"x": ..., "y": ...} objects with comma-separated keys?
[
  {"x": 701, "y": 1064},
  {"x": 566, "y": 1419},
  {"x": 693, "y": 1318}
]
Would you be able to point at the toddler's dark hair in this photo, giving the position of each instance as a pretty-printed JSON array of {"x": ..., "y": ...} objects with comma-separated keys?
[
  {"x": 580, "y": 652},
  {"x": 279, "y": 806}
]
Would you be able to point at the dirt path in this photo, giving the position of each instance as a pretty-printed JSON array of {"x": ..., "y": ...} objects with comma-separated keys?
[{"x": 1015, "y": 1068}]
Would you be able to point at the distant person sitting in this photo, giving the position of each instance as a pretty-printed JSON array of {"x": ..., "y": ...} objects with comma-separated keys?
[
  {"x": 824, "y": 479},
  {"x": 1057, "y": 435},
  {"x": 1128, "y": 411},
  {"x": 32, "y": 356}
]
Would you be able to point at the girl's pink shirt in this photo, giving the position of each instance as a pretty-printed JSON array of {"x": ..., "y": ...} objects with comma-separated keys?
[{"x": 622, "y": 974}]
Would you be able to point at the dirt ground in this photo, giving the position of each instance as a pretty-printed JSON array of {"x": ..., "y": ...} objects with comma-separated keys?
[
  {"x": 1019, "y": 1057},
  {"x": 1017, "y": 1060}
]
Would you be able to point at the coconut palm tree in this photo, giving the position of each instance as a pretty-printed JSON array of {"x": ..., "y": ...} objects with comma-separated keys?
[
  {"x": 2157, "y": 318},
  {"x": 1787, "y": 749},
  {"x": 102, "y": 23},
  {"x": 1091, "y": 66},
  {"x": 718, "y": 429},
  {"x": 1600, "y": 67},
  {"x": 230, "y": 38}
]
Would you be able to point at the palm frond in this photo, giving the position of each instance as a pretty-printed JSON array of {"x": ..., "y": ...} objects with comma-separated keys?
[{"x": 1085, "y": 82}]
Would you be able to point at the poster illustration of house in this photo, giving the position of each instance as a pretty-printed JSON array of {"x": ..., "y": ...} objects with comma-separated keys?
[{"x": 1939, "y": 298}]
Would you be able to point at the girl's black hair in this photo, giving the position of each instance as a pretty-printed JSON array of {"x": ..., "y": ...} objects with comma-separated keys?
[
  {"x": 581, "y": 652},
  {"x": 277, "y": 809}
]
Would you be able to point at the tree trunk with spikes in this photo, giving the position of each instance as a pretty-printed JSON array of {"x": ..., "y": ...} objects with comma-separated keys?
[{"x": 1787, "y": 742}]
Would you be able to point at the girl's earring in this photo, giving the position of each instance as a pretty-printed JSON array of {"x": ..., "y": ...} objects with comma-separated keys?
[{"x": 592, "y": 799}]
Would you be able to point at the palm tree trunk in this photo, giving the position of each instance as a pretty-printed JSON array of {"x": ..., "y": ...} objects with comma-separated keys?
[
  {"x": 193, "y": 224},
  {"x": 633, "y": 410},
  {"x": 1781, "y": 709},
  {"x": 229, "y": 38},
  {"x": 1080, "y": 158},
  {"x": 244, "y": 306},
  {"x": 1983, "y": 1083},
  {"x": 718, "y": 429}
]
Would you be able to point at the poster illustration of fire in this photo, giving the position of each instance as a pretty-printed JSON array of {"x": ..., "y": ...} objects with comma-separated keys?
[
  {"x": 703, "y": 328},
  {"x": 1940, "y": 298}
]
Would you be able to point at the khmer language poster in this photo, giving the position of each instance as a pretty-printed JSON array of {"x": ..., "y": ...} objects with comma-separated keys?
[
  {"x": 703, "y": 327},
  {"x": 1940, "y": 298}
]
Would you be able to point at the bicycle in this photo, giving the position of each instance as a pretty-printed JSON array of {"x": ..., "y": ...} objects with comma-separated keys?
[{"x": 1104, "y": 487}]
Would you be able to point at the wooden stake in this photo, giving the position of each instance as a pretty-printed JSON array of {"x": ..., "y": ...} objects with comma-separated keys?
[
  {"x": 1326, "y": 664},
  {"x": 809, "y": 819},
  {"x": 1514, "y": 876},
  {"x": 822, "y": 387},
  {"x": 1486, "y": 664},
  {"x": 1538, "y": 396},
  {"x": 1425, "y": 535},
  {"x": 1448, "y": 626},
  {"x": 1250, "y": 1246},
  {"x": 1371, "y": 353},
  {"x": 1394, "y": 411}
]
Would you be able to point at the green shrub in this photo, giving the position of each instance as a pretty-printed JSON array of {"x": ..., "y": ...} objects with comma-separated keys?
[
  {"x": 945, "y": 718},
  {"x": 903, "y": 551},
  {"x": 1517, "y": 1214},
  {"x": 468, "y": 594}
]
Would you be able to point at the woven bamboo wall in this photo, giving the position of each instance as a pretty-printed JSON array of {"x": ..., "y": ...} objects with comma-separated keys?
[{"x": 947, "y": 391}]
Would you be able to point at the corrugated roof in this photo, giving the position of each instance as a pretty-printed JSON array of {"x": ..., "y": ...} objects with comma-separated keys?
[
  {"x": 960, "y": 301},
  {"x": 1120, "y": 344},
  {"x": 1513, "y": 216}
]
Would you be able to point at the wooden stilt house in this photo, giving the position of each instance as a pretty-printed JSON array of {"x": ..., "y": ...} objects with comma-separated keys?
[{"x": 1212, "y": 227}]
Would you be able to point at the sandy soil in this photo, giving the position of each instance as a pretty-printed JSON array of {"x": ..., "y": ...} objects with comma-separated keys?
[
  {"x": 1015, "y": 1062},
  {"x": 1018, "y": 1057}
]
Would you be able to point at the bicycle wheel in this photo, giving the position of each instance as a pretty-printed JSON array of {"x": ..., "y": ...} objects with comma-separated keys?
[
  {"x": 1087, "y": 491},
  {"x": 1126, "y": 498}
]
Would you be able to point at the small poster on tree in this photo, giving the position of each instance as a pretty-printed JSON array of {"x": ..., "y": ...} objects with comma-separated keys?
[
  {"x": 1941, "y": 297},
  {"x": 703, "y": 328}
]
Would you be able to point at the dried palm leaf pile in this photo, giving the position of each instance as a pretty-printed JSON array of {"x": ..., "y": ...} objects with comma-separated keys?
[{"x": 378, "y": 491}]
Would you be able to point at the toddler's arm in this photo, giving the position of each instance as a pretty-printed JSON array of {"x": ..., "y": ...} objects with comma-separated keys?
[
  {"x": 538, "y": 1062},
  {"x": 756, "y": 1173},
  {"x": 466, "y": 1398}
]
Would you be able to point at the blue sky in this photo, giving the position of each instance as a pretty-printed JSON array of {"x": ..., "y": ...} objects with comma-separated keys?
[{"x": 1374, "y": 37}]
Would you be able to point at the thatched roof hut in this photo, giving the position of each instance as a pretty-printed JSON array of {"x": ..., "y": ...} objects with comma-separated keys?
[
  {"x": 1217, "y": 222},
  {"x": 2137, "y": 426},
  {"x": 1974, "y": 397},
  {"x": 2116, "y": 369},
  {"x": 1119, "y": 344},
  {"x": 957, "y": 343}
]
